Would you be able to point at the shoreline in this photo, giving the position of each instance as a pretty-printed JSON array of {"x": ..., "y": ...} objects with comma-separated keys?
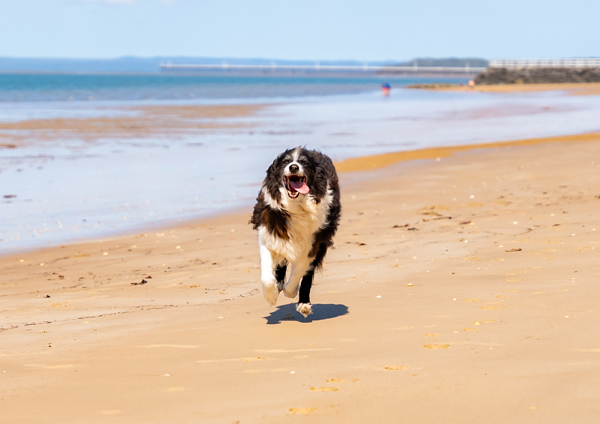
[
  {"x": 356, "y": 166},
  {"x": 453, "y": 276},
  {"x": 166, "y": 148},
  {"x": 576, "y": 89},
  {"x": 152, "y": 121},
  {"x": 386, "y": 159}
]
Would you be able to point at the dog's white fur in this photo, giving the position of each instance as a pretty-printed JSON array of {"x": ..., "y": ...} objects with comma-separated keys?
[{"x": 306, "y": 218}]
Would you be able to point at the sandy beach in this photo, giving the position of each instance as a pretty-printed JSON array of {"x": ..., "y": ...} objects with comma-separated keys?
[{"x": 462, "y": 288}]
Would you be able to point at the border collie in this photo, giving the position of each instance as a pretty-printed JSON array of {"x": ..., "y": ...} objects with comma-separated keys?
[{"x": 296, "y": 215}]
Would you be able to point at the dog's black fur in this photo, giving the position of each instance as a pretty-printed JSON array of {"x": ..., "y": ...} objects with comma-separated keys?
[{"x": 321, "y": 177}]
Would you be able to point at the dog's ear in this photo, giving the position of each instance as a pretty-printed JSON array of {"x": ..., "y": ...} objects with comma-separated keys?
[
  {"x": 273, "y": 179},
  {"x": 319, "y": 184}
]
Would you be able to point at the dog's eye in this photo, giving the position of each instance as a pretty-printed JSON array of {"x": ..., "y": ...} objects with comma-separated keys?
[
  {"x": 286, "y": 161},
  {"x": 303, "y": 162}
]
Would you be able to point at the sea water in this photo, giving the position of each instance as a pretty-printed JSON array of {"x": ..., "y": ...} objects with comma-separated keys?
[{"x": 64, "y": 192}]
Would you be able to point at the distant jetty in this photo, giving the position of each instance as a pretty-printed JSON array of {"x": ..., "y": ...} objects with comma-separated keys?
[{"x": 318, "y": 70}]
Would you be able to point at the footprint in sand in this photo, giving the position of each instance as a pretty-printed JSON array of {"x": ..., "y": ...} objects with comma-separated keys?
[
  {"x": 436, "y": 346},
  {"x": 396, "y": 368},
  {"x": 324, "y": 389},
  {"x": 302, "y": 411}
]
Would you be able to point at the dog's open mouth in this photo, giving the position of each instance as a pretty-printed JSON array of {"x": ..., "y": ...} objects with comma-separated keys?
[{"x": 295, "y": 184}]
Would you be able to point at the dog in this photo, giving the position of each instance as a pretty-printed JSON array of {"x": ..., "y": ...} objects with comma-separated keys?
[{"x": 297, "y": 213}]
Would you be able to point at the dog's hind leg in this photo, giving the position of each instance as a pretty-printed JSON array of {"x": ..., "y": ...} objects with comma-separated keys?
[
  {"x": 293, "y": 284},
  {"x": 304, "y": 306},
  {"x": 267, "y": 275},
  {"x": 280, "y": 275}
]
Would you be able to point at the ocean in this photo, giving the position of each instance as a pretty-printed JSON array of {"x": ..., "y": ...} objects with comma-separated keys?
[
  {"x": 61, "y": 189},
  {"x": 157, "y": 87}
]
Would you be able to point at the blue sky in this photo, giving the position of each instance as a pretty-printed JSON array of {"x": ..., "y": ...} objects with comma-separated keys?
[{"x": 300, "y": 29}]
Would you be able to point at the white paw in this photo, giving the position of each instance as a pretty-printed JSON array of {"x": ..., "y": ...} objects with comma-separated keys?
[
  {"x": 304, "y": 308},
  {"x": 270, "y": 291},
  {"x": 291, "y": 291}
]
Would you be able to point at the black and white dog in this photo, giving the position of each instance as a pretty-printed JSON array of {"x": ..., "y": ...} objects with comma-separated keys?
[{"x": 296, "y": 215}]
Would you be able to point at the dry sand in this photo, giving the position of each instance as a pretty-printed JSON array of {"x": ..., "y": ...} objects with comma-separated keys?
[{"x": 461, "y": 290}]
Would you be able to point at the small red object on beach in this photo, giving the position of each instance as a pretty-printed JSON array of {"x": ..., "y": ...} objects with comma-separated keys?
[{"x": 385, "y": 89}]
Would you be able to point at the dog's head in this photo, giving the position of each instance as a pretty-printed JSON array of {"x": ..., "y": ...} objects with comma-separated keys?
[{"x": 294, "y": 174}]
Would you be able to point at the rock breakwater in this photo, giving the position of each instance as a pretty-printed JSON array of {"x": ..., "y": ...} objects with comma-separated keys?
[{"x": 495, "y": 76}]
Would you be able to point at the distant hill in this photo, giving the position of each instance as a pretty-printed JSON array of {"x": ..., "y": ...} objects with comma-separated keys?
[
  {"x": 450, "y": 61},
  {"x": 132, "y": 64}
]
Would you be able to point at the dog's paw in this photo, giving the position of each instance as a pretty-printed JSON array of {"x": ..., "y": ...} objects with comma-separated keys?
[
  {"x": 271, "y": 291},
  {"x": 304, "y": 308}
]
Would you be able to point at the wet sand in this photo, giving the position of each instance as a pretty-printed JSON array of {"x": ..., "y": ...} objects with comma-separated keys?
[
  {"x": 462, "y": 289},
  {"x": 138, "y": 122},
  {"x": 584, "y": 89},
  {"x": 383, "y": 160}
]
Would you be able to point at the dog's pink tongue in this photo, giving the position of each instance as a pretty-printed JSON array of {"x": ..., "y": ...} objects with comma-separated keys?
[{"x": 300, "y": 186}]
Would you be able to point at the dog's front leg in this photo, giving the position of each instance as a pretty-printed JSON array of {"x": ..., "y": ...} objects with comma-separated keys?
[
  {"x": 298, "y": 270},
  {"x": 267, "y": 275}
]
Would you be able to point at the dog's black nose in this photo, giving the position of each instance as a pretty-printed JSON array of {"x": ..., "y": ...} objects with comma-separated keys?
[{"x": 294, "y": 168}]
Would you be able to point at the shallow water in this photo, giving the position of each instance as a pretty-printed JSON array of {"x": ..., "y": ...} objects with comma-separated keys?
[
  {"x": 105, "y": 87},
  {"x": 65, "y": 192}
]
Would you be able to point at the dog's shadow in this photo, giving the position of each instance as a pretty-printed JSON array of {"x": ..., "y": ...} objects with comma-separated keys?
[{"x": 319, "y": 312}]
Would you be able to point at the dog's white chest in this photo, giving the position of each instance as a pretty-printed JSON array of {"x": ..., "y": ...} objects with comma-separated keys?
[{"x": 306, "y": 218}]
